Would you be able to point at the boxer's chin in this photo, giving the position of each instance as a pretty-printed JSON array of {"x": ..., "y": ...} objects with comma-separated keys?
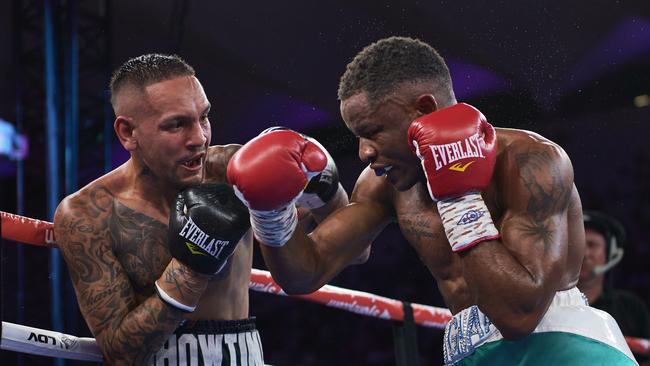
[{"x": 186, "y": 178}]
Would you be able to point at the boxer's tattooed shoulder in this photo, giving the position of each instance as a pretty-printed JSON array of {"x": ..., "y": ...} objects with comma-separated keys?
[
  {"x": 112, "y": 252},
  {"x": 545, "y": 182},
  {"x": 85, "y": 247},
  {"x": 548, "y": 190}
]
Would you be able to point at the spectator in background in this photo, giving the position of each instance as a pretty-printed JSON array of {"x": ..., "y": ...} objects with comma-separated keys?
[{"x": 605, "y": 238}]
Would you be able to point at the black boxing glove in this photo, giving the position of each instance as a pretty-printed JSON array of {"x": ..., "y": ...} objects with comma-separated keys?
[
  {"x": 321, "y": 187},
  {"x": 204, "y": 228}
]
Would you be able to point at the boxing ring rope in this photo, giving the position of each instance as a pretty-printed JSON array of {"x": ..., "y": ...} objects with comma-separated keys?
[{"x": 53, "y": 344}]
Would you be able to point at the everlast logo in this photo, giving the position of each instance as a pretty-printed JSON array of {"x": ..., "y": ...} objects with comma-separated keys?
[
  {"x": 448, "y": 153},
  {"x": 198, "y": 237}
]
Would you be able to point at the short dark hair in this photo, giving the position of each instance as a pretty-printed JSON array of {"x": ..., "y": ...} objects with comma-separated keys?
[
  {"x": 382, "y": 66},
  {"x": 141, "y": 71}
]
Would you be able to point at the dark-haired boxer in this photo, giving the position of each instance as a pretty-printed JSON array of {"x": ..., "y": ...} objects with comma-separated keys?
[
  {"x": 163, "y": 279},
  {"x": 494, "y": 214}
]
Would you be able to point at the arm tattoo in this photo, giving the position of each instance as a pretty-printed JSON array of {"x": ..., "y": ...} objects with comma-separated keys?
[
  {"x": 186, "y": 285},
  {"x": 539, "y": 231},
  {"x": 114, "y": 253},
  {"x": 535, "y": 167},
  {"x": 548, "y": 193},
  {"x": 418, "y": 226}
]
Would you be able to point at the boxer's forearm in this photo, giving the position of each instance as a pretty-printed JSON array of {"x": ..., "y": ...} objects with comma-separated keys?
[
  {"x": 307, "y": 262},
  {"x": 294, "y": 266},
  {"x": 140, "y": 334},
  {"x": 134, "y": 338},
  {"x": 513, "y": 298},
  {"x": 317, "y": 215}
]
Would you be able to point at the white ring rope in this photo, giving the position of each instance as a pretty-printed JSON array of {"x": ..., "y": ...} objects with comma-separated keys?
[{"x": 20, "y": 338}]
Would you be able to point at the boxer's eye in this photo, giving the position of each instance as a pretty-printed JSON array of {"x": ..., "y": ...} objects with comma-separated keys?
[{"x": 171, "y": 125}]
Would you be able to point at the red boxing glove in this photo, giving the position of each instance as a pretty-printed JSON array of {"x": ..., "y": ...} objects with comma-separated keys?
[
  {"x": 272, "y": 169},
  {"x": 269, "y": 173},
  {"x": 457, "y": 147},
  {"x": 458, "y": 150}
]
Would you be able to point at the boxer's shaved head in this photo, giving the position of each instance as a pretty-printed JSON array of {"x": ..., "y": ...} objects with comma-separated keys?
[{"x": 139, "y": 72}]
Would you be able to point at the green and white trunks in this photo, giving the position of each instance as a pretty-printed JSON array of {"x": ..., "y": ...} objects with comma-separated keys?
[{"x": 570, "y": 333}]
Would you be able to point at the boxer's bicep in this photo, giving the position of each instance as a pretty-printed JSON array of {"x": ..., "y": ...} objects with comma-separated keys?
[
  {"x": 515, "y": 277},
  {"x": 104, "y": 292},
  {"x": 534, "y": 227}
]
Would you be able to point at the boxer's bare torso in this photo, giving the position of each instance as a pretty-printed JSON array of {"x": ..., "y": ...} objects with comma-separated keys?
[{"x": 418, "y": 219}]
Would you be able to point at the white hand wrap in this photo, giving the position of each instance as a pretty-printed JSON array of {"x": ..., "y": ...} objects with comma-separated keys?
[
  {"x": 467, "y": 221},
  {"x": 275, "y": 227}
]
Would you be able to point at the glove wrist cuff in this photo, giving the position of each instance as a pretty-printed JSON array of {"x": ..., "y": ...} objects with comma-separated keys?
[
  {"x": 467, "y": 221},
  {"x": 274, "y": 228},
  {"x": 314, "y": 201},
  {"x": 167, "y": 299}
]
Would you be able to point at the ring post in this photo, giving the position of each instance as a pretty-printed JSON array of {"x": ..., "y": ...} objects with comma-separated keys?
[{"x": 405, "y": 339}]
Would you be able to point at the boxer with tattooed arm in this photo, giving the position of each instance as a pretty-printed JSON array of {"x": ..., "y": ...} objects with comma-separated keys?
[
  {"x": 493, "y": 213},
  {"x": 162, "y": 277}
]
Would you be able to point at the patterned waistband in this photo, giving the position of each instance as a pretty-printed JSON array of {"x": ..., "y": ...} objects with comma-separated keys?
[
  {"x": 216, "y": 326},
  {"x": 568, "y": 312}
]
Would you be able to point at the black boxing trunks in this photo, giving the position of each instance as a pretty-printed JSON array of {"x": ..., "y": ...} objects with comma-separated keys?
[{"x": 209, "y": 342}]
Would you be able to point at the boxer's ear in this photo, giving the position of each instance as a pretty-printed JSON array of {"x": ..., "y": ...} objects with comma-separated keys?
[
  {"x": 426, "y": 103},
  {"x": 124, "y": 127}
]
